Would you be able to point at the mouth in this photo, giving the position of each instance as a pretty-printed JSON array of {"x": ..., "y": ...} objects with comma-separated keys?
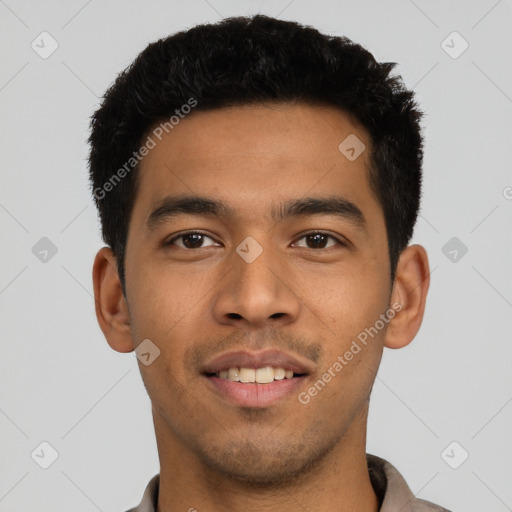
[{"x": 256, "y": 379}]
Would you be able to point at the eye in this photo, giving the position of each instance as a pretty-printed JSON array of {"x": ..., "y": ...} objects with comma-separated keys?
[
  {"x": 190, "y": 240},
  {"x": 319, "y": 240}
]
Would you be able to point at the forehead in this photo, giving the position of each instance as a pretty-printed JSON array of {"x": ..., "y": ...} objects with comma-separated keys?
[
  {"x": 281, "y": 130},
  {"x": 252, "y": 156}
]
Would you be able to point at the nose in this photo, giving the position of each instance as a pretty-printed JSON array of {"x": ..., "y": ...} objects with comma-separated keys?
[{"x": 256, "y": 293}]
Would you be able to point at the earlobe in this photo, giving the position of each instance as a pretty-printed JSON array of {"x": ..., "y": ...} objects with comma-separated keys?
[
  {"x": 410, "y": 291},
  {"x": 111, "y": 307}
]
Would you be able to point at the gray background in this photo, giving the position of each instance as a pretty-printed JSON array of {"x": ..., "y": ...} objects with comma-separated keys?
[{"x": 60, "y": 381}]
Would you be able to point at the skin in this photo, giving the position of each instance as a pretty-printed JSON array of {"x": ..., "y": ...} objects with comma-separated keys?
[{"x": 195, "y": 304}]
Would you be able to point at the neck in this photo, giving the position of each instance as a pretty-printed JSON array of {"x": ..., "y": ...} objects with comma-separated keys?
[{"x": 338, "y": 482}]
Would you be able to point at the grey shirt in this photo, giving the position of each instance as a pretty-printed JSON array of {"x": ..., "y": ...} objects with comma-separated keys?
[{"x": 390, "y": 487}]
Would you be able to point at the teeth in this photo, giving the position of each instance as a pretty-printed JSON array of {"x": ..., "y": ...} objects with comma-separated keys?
[
  {"x": 260, "y": 375},
  {"x": 247, "y": 375},
  {"x": 265, "y": 375},
  {"x": 279, "y": 373},
  {"x": 232, "y": 374}
]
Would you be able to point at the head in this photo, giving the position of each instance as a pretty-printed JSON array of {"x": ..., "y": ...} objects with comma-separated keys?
[
  {"x": 207, "y": 67},
  {"x": 258, "y": 185}
]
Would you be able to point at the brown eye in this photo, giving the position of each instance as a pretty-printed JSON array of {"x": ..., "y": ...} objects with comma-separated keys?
[
  {"x": 318, "y": 240},
  {"x": 192, "y": 240}
]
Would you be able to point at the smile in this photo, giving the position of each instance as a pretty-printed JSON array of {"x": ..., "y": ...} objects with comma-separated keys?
[
  {"x": 263, "y": 375},
  {"x": 261, "y": 379}
]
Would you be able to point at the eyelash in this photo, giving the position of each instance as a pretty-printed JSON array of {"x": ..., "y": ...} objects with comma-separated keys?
[{"x": 310, "y": 233}]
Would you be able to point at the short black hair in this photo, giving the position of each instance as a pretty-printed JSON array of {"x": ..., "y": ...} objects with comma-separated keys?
[{"x": 256, "y": 60}]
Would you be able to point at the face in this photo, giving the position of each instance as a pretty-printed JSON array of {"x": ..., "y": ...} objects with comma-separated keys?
[{"x": 257, "y": 250}]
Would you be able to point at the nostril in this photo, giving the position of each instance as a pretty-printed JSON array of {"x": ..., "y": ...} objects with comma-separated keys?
[{"x": 234, "y": 315}]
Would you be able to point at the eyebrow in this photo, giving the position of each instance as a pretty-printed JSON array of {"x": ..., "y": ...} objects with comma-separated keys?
[{"x": 172, "y": 206}]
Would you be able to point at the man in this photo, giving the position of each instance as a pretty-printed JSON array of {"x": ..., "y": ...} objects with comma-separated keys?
[{"x": 258, "y": 184}]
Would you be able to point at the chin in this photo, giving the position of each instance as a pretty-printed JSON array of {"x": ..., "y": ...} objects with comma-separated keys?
[{"x": 267, "y": 466}]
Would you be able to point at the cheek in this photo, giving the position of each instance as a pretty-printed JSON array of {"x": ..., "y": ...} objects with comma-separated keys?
[
  {"x": 352, "y": 345},
  {"x": 346, "y": 312},
  {"x": 159, "y": 298},
  {"x": 170, "y": 309},
  {"x": 361, "y": 307},
  {"x": 345, "y": 300}
]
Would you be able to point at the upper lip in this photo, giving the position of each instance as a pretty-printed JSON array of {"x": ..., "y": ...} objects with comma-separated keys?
[{"x": 246, "y": 359}]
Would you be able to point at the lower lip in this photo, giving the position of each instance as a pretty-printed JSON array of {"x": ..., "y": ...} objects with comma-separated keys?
[{"x": 254, "y": 394}]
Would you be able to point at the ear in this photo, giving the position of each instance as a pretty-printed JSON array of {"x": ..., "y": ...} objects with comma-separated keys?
[
  {"x": 111, "y": 307},
  {"x": 410, "y": 290}
]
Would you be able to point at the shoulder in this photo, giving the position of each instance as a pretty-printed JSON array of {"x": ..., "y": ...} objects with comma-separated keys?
[
  {"x": 392, "y": 489},
  {"x": 150, "y": 497}
]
